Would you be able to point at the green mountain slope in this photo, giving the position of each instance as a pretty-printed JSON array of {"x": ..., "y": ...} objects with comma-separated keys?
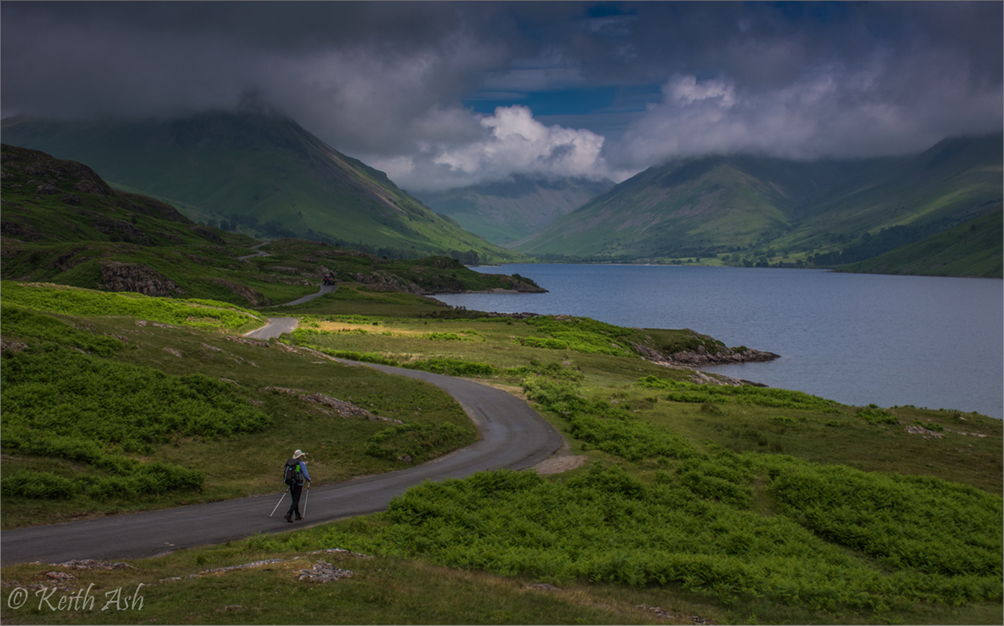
[
  {"x": 692, "y": 206},
  {"x": 973, "y": 248},
  {"x": 62, "y": 223},
  {"x": 956, "y": 180},
  {"x": 769, "y": 208},
  {"x": 258, "y": 173},
  {"x": 504, "y": 212}
]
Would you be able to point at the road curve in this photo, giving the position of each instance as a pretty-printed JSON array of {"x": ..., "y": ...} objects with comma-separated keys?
[
  {"x": 513, "y": 436},
  {"x": 320, "y": 292},
  {"x": 276, "y": 326}
]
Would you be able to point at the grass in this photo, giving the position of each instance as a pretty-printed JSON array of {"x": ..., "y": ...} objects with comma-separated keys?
[
  {"x": 59, "y": 404},
  {"x": 733, "y": 504}
]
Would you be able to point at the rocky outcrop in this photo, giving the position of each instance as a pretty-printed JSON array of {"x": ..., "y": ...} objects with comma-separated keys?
[
  {"x": 701, "y": 357},
  {"x": 342, "y": 408},
  {"x": 137, "y": 278},
  {"x": 19, "y": 230},
  {"x": 256, "y": 298},
  {"x": 383, "y": 281},
  {"x": 110, "y": 227},
  {"x": 207, "y": 234}
]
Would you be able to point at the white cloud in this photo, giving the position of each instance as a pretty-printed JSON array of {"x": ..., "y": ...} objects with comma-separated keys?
[
  {"x": 511, "y": 142},
  {"x": 879, "y": 108}
]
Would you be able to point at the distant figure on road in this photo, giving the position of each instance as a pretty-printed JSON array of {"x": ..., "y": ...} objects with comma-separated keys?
[{"x": 294, "y": 474}]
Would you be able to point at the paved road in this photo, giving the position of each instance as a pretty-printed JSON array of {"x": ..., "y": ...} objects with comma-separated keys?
[
  {"x": 276, "y": 326},
  {"x": 256, "y": 254},
  {"x": 513, "y": 436},
  {"x": 320, "y": 292}
]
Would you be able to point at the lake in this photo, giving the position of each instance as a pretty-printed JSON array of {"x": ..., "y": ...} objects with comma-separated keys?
[{"x": 854, "y": 338}]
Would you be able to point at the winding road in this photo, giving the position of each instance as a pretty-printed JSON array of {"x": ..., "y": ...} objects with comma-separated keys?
[{"x": 513, "y": 436}]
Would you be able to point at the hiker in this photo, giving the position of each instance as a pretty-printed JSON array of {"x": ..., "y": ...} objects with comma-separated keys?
[{"x": 294, "y": 475}]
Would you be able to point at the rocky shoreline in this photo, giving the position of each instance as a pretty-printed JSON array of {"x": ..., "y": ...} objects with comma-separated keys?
[
  {"x": 701, "y": 357},
  {"x": 726, "y": 356}
]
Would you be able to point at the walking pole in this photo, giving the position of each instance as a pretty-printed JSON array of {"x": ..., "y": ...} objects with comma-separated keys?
[
  {"x": 305, "y": 498},
  {"x": 277, "y": 504}
]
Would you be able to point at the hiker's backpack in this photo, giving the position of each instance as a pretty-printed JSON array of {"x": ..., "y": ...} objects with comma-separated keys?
[{"x": 291, "y": 473}]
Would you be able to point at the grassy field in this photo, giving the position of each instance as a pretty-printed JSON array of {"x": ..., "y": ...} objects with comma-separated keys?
[
  {"x": 695, "y": 504},
  {"x": 76, "y": 419}
]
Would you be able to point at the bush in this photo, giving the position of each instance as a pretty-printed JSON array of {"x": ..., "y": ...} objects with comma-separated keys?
[
  {"x": 37, "y": 486},
  {"x": 876, "y": 416},
  {"x": 743, "y": 394},
  {"x": 453, "y": 367},
  {"x": 25, "y": 324},
  {"x": 606, "y": 526},
  {"x": 63, "y": 404}
]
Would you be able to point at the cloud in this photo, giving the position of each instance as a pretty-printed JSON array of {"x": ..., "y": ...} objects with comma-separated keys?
[
  {"x": 511, "y": 142},
  {"x": 889, "y": 105},
  {"x": 387, "y": 82}
]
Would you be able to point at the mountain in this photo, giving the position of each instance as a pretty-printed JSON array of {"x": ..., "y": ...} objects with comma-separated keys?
[
  {"x": 62, "y": 223},
  {"x": 506, "y": 211},
  {"x": 973, "y": 248},
  {"x": 257, "y": 173},
  {"x": 763, "y": 206}
]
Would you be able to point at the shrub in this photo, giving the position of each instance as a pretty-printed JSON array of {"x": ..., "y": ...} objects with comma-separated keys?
[
  {"x": 743, "y": 394},
  {"x": 20, "y": 322},
  {"x": 63, "y": 404},
  {"x": 876, "y": 416},
  {"x": 37, "y": 486},
  {"x": 606, "y": 526},
  {"x": 453, "y": 367}
]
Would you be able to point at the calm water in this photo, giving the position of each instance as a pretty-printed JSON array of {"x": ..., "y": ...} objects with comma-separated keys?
[{"x": 854, "y": 338}]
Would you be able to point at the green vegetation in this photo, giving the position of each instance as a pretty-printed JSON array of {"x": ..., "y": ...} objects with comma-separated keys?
[
  {"x": 204, "y": 314},
  {"x": 764, "y": 212},
  {"x": 973, "y": 248},
  {"x": 417, "y": 440},
  {"x": 63, "y": 224},
  {"x": 735, "y": 504},
  {"x": 106, "y": 413},
  {"x": 505, "y": 212},
  {"x": 257, "y": 174},
  {"x": 62, "y": 404},
  {"x": 743, "y": 395},
  {"x": 606, "y": 526}
]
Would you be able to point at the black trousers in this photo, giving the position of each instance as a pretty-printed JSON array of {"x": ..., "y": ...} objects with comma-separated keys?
[{"x": 294, "y": 493}]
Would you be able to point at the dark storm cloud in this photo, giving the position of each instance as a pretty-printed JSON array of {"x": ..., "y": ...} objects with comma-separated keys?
[{"x": 385, "y": 81}]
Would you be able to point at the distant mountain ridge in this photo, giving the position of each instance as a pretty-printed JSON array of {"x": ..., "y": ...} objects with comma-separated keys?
[
  {"x": 974, "y": 249},
  {"x": 506, "y": 211},
  {"x": 775, "y": 208},
  {"x": 62, "y": 223},
  {"x": 259, "y": 173}
]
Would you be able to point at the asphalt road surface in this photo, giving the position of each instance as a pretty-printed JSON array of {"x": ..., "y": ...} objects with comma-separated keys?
[
  {"x": 323, "y": 290},
  {"x": 513, "y": 436},
  {"x": 276, "y": 326}
]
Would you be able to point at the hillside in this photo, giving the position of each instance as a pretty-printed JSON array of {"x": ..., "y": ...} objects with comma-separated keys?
[
  {"x": 62, "y": 223},
  {"x": 256, "y": 173},
  {"x": 955, "y": 180},
  {"x": 768, "y": 208},
  {"x": 504, "y": 212},
  {"x": 973, "y": 248},
  {"x": 676, "y": 499}
]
